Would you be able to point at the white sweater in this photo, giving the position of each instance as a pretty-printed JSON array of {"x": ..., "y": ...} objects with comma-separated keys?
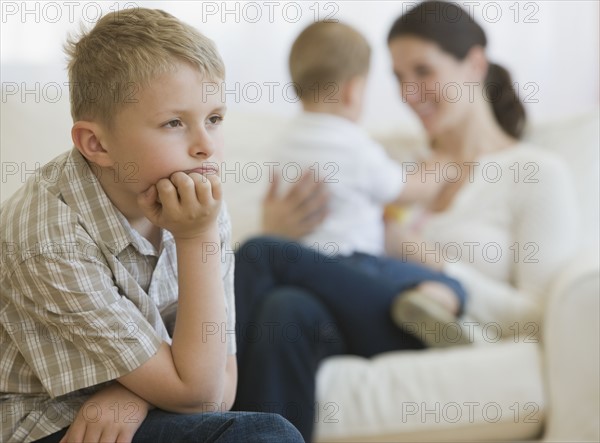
[{"x": 508, "y": 231}]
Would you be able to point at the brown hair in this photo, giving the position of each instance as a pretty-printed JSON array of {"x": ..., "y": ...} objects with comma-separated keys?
[
  {"x": 124, "y": 51},
  {"x": 326, "y": 53},
  {"x": 451, "y": 28}
]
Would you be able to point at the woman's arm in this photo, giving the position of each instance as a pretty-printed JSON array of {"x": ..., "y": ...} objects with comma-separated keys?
[
  {"x": 545, "y": 230},
  {"x": 544, "y": 226}
]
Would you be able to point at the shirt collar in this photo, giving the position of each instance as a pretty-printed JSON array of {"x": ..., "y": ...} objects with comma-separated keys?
[
  {"x": 327, "y": 120},
  {"x": 83, "y": 193},
  {"x": 319, "y": 124}
]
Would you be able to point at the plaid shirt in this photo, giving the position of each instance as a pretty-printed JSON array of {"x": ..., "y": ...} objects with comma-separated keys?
[{"x": 84, "y": 297}]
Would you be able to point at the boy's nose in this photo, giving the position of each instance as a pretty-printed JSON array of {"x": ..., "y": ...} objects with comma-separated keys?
[{"x": 201, "y": 144}]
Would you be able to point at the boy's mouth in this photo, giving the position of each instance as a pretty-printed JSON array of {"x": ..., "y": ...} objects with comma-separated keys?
[{"x": 206, "y": 169}]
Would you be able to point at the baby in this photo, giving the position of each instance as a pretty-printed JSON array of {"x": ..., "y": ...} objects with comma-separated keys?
[{"x": 329, "y": 63}]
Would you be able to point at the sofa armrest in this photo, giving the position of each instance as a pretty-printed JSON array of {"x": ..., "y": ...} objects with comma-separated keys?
[{"x": 572, "y": 352}]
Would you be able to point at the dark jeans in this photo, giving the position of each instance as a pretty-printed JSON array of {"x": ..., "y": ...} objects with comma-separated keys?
[
  {"x": 403, "y": 274},
  {"x": 226, "y": 427},
  {"x": 295, "y": 307}
]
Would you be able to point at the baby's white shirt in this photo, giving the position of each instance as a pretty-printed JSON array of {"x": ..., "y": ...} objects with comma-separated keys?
[{"x": 359, "y": 176}]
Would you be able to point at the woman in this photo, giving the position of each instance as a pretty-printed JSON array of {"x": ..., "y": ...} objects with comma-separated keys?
[
  {"x": 509, "y": 232},
  {"x": 513, "y": 200}
]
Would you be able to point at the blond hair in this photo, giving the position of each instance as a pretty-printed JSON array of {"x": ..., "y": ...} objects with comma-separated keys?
[
  {"x": 126, "y": 50},
  {"x": 327, "y": 53}
]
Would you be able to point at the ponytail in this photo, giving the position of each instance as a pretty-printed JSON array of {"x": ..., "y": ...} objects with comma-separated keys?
[{"x": 507, "y": 106}]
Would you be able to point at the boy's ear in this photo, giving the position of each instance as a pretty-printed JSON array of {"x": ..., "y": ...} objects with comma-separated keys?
[{"x": 87, "y": 139}]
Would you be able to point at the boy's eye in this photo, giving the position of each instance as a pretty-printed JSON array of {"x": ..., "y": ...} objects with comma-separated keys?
[
  {"x": 215, "y": 119},
  {"x": 174, "y": 123}
]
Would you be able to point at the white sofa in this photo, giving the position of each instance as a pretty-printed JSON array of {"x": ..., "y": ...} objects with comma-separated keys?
[
  {"x": 505, "y": 391},
  {"x": 511, "y": 390}
]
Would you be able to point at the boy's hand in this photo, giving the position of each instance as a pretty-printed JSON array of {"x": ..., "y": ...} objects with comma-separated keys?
[
  {"x": 186, "y": 205},
  {"x": 112, "y": 414}
]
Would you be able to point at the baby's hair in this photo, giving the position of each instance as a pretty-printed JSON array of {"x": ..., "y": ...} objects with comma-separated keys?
[
  {"x": 126, "y": 50},
  {"x": 326, "y": 53}
]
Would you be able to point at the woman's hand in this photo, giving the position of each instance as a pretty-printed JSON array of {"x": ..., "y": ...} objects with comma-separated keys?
[
  {"x": 112, "y": 414},
  {"x": 298, "y": 212}
]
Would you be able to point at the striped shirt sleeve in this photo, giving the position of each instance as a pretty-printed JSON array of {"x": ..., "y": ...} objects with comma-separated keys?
[{"x": 72, "y": 325}]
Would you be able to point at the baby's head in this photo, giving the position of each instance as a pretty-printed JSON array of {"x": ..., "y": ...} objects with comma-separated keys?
[
  {"x": 124, "y": 52},
  {"x": 145, "y": 97},
  {"x": 329, "y": 63}
]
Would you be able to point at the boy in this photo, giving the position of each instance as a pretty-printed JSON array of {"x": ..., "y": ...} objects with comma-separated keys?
[
  {"x": 99, "y": 261},
  {"x": 329, "y": 64}
]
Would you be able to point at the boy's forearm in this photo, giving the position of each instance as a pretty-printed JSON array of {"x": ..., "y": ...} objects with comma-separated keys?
[
  {"x": 189, "y": 374},
  {"x": 199, "y": 354},
  {"x": 231, "y": 378}
]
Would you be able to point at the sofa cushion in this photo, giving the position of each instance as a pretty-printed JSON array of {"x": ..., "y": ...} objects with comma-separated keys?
[
  {"x": 576, "y": 140},
  {"x": 494, "y": 391}
]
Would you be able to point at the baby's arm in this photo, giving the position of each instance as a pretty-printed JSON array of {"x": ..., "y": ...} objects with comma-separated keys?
[
  {"x": 424, "y": 184},
  {"x": 194, "y": 373}
]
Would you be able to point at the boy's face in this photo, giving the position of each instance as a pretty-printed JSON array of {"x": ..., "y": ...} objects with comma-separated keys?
[{"x": 174, "y": 125}]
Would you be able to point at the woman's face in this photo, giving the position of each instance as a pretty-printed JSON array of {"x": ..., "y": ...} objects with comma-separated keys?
[{"x": 437, "y": 86}]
